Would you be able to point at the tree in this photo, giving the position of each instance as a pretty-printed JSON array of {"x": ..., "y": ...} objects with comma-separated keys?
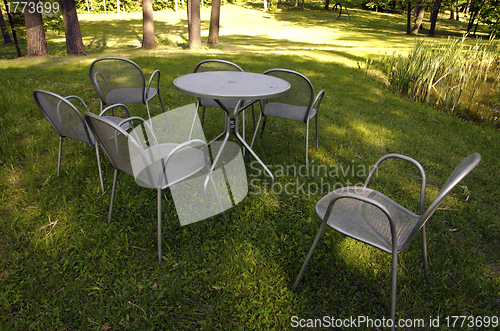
[
  {"x": 408, "y": 17},
  {"x": 35, "y": 33},
  {"x": 474, "y": 11},
  {"x": 74, "y": 42},
  {"x": 419, "y": 17},
  {"x": 148, "y": 29},
  {"x": 213, "y": 33},
  {"x": 11, "y": 22},
  {"x": 6, "y": 36},
  {"x": 194, "y": 23},
  {"x": 434, "y": 16},
  {"x": 490, "y": 16}
]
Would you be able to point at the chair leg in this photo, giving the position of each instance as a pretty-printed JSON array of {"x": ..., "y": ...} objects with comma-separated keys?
[
  {"x": 99, "y": 166},
  {"x": 253, "y": 117},
  {"x": 256, "y": 129},
  {"x": 424, "y": 246},
  {"x": 161, "y": 101},
  {"x": 203, "y": 117},
  {"x": 112, "y": 201},
  {"x": 147, "y": 108},
  {"x": 159, "y": 225},
  {"x": 59, "y": 155},
  {"x": 309, "y": 255},
  {"x": 307, "y": 143},
  {"x": 317, "y": 135},
  {"x": 263, "y": 126},
  {"x": 394, "y": 284}
]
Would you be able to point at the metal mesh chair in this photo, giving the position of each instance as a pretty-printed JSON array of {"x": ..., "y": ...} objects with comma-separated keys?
[
  {"x": 222, "y": 65},
  {"x": 299, "y": 104},
  {"x": 67, "y": 120},
  {"x": 373, "y": 218},
  {"x": 152, "y": 164},
  {"x": 120, "y": 80}
]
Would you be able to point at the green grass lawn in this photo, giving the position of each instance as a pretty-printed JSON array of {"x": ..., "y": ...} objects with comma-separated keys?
[{"x": 62, "y": 267}]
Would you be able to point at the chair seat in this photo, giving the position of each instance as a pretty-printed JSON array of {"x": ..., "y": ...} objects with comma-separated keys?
[
  {"x": 365, "y": 222},
  {"x": 181, "y": 165},
  {"x": 128, "y": 95},
  {"x": 289, "y": 112}
]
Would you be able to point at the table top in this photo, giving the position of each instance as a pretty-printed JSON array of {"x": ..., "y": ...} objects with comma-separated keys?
[{"x": 231, "y": 85}]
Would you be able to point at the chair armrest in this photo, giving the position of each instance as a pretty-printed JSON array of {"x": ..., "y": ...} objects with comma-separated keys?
[
  {"x": 372, "y": 202},
  {"x": 405, "y": 158},
  {"x": 179, "y": 147},
  {"x": 146, "y": 126},
  {"x": 96, "y": 86},
  {"x": 155, "y": 73},
  {"x": 112, "y": 107},
  {"x": 317, "y": 101},
  {"x": 69, "y": 97}
]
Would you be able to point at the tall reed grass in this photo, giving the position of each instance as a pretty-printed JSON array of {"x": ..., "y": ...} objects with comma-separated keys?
[{"x": 456, "y": 77}]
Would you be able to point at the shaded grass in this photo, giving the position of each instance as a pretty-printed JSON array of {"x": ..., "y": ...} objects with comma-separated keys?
[{"x": 63, "y": 267}]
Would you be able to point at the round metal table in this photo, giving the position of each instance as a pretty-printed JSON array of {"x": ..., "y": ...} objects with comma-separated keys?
[{"x": 232, "y": 85}]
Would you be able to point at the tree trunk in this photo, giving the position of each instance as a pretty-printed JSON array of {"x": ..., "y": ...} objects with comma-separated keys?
[
  {"x": 11, "y": 22},
  {"x": 35, "y": 34},
  {"x": 408, "y": 17},
  {"x": 6, "y": 36},
  {"x": 213, "y": 33},
  {"x": 452, "y": 11},
  {"x": 475, "y": 10},
  {"x": 434, "y": 17},
  {"x": 457, "y": 8},
  {"x": 148, "y": 29},
  {"x": 466, "y": 10},
  {"x": 74, "y": 42},
  {"x": 419, "y": 17},
  {"x": 194, "y": 23}
]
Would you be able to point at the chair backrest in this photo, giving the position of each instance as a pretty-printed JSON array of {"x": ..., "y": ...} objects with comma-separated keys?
[
  {"x": 115, "y": 73},
  {"x": 466, "y": 166},
  {"x": 113, "y": 140},
  {"x": 63, "y": 115},
  {"x": 216, "y": 65},
  {"x": 301, "y": 91},
  {"x": 141, "y": 156}
]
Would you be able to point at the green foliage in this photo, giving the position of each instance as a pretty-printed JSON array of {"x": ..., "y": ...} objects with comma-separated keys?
[
  {"x": 384, "y": 5},
  {"x": 54, "y": 23},
  {"x": 129, "y": 6},
  {"x": 163, "y": 40},
  {"x": 490, "y": 16}
]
